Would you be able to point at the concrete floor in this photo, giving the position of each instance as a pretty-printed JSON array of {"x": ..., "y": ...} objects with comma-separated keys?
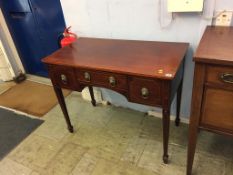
[{"x": 112, "y": 141}]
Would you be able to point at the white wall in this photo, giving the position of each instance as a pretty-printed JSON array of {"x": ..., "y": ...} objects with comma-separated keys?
[{"x": 141, "y": 20}]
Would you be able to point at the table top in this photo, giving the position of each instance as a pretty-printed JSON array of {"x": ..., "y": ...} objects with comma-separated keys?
[
  {"x": 141, "y": 58},
  {"x": 216, "y": 46}
]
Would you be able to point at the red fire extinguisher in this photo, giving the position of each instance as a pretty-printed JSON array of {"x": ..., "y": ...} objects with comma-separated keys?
[{"x": 69, "y": 37}]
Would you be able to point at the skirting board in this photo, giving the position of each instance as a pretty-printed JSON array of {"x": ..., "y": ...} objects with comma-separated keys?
[
  {"x": 39, "y": 79},
  {"x": 159, "y": 115}
]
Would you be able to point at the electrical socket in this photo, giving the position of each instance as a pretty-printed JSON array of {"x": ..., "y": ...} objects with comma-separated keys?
[{"x": 224, "y": 19}]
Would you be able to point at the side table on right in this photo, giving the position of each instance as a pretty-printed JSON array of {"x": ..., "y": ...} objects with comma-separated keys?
[{"x": 212, "y": 98}]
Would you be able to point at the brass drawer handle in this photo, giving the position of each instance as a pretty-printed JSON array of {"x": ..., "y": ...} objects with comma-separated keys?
[
  {"x": 87, "y": 76},
  {"x": 63, "y": 79},
  {"x": 227, "y": 77},
  {"x": 145, "y": 93},
  {"x": 112, "y": 81}
]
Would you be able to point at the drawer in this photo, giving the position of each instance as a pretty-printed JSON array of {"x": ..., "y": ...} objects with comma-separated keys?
[
  {"x": 222, "y": 75},
  {"x": 103, "y": 79},
  {"x": 217, "y": 108},
  {"x": 63, "y": 77},
  {"x": 145, "y": 91}
]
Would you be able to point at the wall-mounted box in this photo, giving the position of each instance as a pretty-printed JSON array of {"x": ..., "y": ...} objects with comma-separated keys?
[{"x": 185, "y": 5}]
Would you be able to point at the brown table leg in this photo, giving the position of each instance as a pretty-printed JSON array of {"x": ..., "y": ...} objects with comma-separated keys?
[
  {"x": 166, "y": 126},
  {"x": 198, "y": 90},
  {"x": 92, "y": 95},
  {"x": 193, "y": 132},
  {"x": 178, "y": 104},
  {"x": 62, "y": 103}
]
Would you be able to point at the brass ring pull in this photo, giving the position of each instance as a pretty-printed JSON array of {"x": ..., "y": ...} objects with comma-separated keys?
[
  {"x": 145, "y": 93},
  {"x": 227, "y": 78},
  {"x": 87, "y": 76},
  {"x": 63, "y": 79},
  {"x": 112, "y": 81}
]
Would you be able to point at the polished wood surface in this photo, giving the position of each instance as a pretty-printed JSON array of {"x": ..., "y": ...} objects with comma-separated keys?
[
  {"x": 98, "y": 78},
  {"x": 142, "y": 58},
  {"x": 197, "y": 97},
  {"x": 212, "y": 99},
  {"x": 153, "y": 87},
  {"x": 218, "y": 109},
  {"x": 216, "y": 46},
  {"x": 145, "y": 72},
  {"x": 68, "y": 81},
  {"x": 214, "y": 75}
]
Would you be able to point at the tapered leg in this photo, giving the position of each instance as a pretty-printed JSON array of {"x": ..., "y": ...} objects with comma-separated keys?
[
  {"x": 92, "y": 95},
  {"x": 178, "y": 103},
  {"x": 166, "y": 126},
  {"x": 197, "y": 98},
  {"x": 62, "y": 103},
  {"x": 193, "y": 132}
]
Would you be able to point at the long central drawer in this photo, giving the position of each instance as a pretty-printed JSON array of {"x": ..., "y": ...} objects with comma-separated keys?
[{"x": 104, "y": 79}]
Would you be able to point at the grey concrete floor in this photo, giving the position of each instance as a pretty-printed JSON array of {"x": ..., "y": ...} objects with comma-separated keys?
[{"x": 110, "y": 140}]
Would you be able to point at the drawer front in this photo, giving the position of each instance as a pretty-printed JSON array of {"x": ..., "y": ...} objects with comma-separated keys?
[
  {"x": 63, "y": 77},
  {"x": 220, "y": 74},
  {"x": 218, "y": 108},
  {"x": 145, "y": 91},
  {"x": 103, "y": 79}
]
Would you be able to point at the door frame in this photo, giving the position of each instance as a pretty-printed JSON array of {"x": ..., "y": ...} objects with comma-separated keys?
[{"x": 9, "y": 46}]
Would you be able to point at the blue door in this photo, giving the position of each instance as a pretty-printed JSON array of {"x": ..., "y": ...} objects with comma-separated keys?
[{"x": 36, "y": 26}]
